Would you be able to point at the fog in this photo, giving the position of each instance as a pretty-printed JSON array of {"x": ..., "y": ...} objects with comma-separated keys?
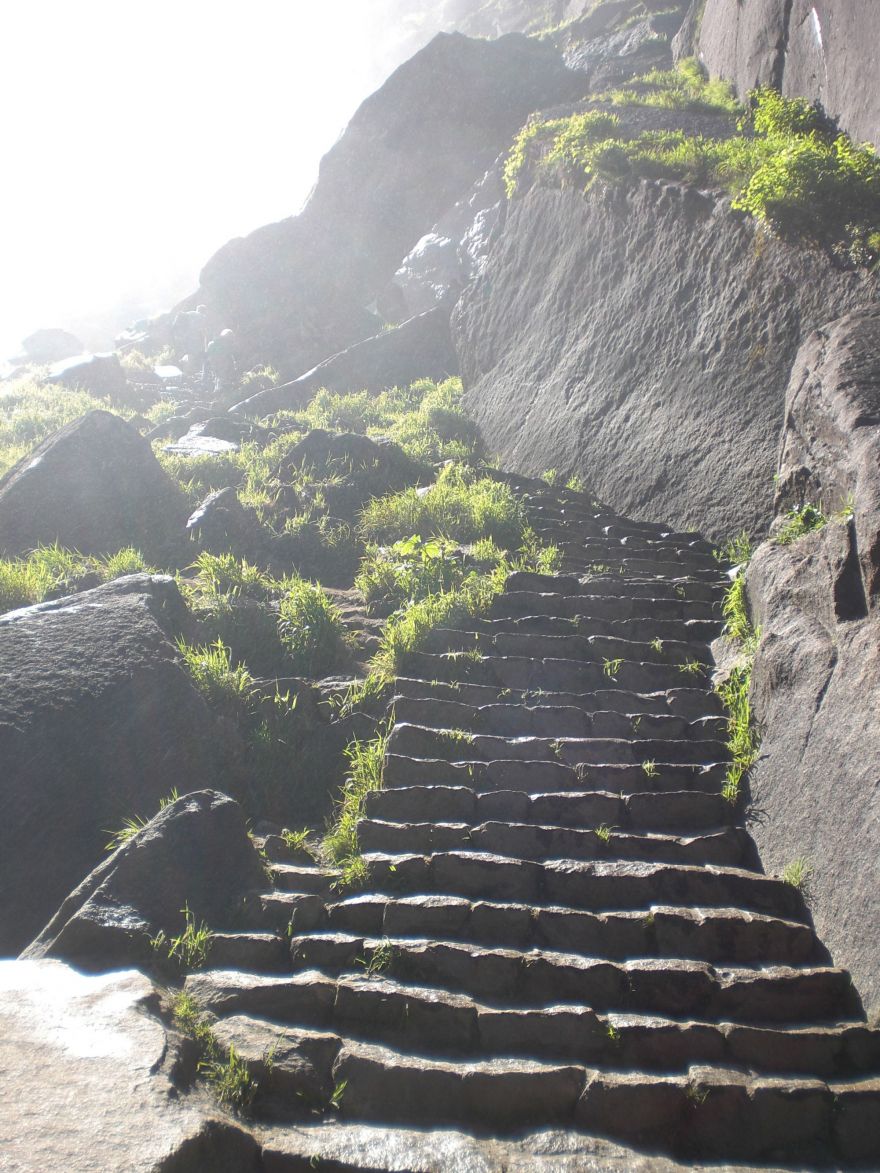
[{"x": 138, "y": 138}]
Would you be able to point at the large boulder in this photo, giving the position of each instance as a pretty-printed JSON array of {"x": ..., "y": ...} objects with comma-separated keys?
[
  {"x": 648, "y": 350},
  {"x": 94, "y": 486},
  {"x": 418, "y": 348},
  {"x": 822, "y": 50},
  {"x": 86, "y": 1080},
  {"x": 99, "y": 374},
  {"x": 194, "y": 853},
  {"x": 98, "y": 721},
  {"x": 51, "y": 345},
  {"x": 816, "y": 678},
  {"x": 295, "y": 292}
]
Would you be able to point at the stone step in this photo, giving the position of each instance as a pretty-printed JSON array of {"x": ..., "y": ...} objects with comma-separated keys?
[
  {"x": 289, "y": 877},
  {"x": 377, "y": 1009},
  {"x": 728, "y": 847},
  {"x": 697, "y": 632},
  {"x": 493, "y": 640},
  {"x": 552, "y": 675},
  {"x": 279, "y": 911},
  {"x": 678, "y": 810},
  {"x": 611, "y": 552},
  {"x": 638, "y": 565},
  {"x": 672, "y": 987},
  {"x": 605, "y": 606},
  {"x": 518, "y": 720},
  {"x": 717, "y": 935},
  {"x": 535, "y": 777},
  {"x": 693, "y": 704},
  {"x": 593, "y": 886},
  {"x": 458, "y": 745},
  {"x": 677, "y": 589},
  {"x": 262, "y": 951}
]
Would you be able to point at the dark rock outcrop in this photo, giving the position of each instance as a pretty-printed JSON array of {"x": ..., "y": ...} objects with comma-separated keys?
[
  {"x": 418, "y": 348},
  {"x": 823, "y": 50},
  {"x": 195, "y": 853},
  {"x": 295, "y": 292},
  {"x": 98, "y": 720},
  {"x": 816, "y": 680},
  {"x": 648, "y": 350},
  {"x": 94, "y": 486}
]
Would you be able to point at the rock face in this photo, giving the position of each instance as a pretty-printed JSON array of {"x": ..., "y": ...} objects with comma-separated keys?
[
  {"x": 824, "y": 50},
  {"x": 196, "y": 851},
  {"x": 648, "y": 350},
  {"x": 295, "y": 292},
  {"x": 94, "y": 486},
  {"x": 816, "y": 680},
  {"x": 85, "y": 1080},
  {"x": 98, "y": 720},
  {"x": 419, "y": 348}
]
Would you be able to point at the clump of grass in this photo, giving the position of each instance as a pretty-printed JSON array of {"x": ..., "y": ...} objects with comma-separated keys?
[
  {"x": 30, "y": 412},
  {"x": 135, "y": 823},
  {"x": 190, "y": 948},
  {"x": 365, "y": 764},
  {"x": 611, "y": 667},
  {"x": 603, "y": 833},
  {"x": 801, "y": 519},
  {"x": 650, "y": 769},
  {"x": 379, "y": 959},
  {"x": 684, "y": 88},
  {"x": 736, "y": 551},
  {"x": 214, "y": 675},
  {"x": 226, "y": 1072},
  {"x": 310, "y": 628},
  {"x": 458, "y": 506},
  {"x": 51, "y": 571},
  {"x": 798, "y": 874},
  {"x": 224, "y": 574},
  {"x": 742, "y": 737}
]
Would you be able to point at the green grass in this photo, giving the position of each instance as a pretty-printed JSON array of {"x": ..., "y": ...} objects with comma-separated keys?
[
  {"x": 231, "y": 1081},
  {"x": 743, "y": 741},
  {"x": 365, "y": 764},
  {"x": 29, "y": 412},
  {"x": 798, "y": 874},
  {"x": 213, "y": 674},
  {"x": 459, "y": 506},
  {"x": 310, "y": 628},
  {"x": 736, "y": 551},
  {"x": 191, "y": 946},
  {"x": 51, "y": 571},
  {"x": 786, "y": 167},
  {"x": 801, "y": 519},
  {"x": 135, "y": 823}
]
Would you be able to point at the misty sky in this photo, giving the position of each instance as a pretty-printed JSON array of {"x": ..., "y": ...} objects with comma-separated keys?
[{"x": 139, "y": 137}]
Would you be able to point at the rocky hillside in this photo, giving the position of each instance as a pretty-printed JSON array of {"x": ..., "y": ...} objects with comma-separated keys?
[{"x": 439, "y": 659}]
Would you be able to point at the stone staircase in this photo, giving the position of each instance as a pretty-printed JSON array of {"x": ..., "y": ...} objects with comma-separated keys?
[{"x": 565, "y": 922}]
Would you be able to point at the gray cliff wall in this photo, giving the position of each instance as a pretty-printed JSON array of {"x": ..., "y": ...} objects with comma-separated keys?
[
  {"x": 823, "y": 50},
  {"x": 644, "y": 340},
  {"x": 816, "y": 680}
]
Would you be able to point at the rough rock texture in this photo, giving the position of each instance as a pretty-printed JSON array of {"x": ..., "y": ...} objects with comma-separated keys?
[
  {"x": 455, "y": 250},
  {"x": 823, "y": 50},
  {"x": 419, "y": 348},
  {"x": 98, "y": 720},
  {"x": 195, "y": 852},
  {"x": 816, "y": 680},
  {"x": 295, "y": 292},
  {"x": 94, "y": 486},
  {"x": 648, "y": 350},
  {"x": 85, "y": 1084}
]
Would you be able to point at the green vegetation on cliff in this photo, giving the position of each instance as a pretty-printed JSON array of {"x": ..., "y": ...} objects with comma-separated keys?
[{"x": 781, "y": 163}]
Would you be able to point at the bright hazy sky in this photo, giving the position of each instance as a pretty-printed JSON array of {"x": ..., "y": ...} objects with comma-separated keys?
[{"x": 139, "y": 137}]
